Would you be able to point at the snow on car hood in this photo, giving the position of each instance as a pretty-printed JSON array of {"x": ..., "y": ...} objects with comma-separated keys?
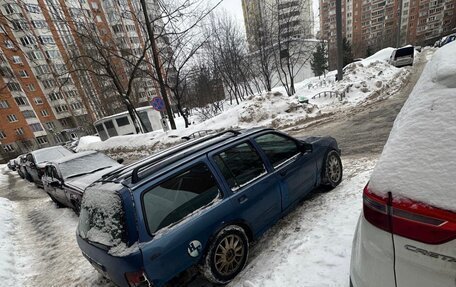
[
  {"x": 82, "y": 182},
  {"x": 418, "y": 159}
]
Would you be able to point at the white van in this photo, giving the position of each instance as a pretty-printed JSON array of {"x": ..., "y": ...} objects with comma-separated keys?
[
  {"x": 402, "y": 56},
  {"x": 121, "y": 124}
]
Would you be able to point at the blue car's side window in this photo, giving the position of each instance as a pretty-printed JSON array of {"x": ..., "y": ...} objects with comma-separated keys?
[
  {"x": 240, "y": 165},
  {"x": 277, "y": 148},
  {"x": 179, "y": 196}
]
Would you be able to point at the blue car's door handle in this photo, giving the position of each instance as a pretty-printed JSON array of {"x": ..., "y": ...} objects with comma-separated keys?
[{"x": 242, "y": 199}]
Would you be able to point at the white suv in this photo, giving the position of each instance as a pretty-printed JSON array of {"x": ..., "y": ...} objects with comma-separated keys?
[{"x": 406, "y": 234}]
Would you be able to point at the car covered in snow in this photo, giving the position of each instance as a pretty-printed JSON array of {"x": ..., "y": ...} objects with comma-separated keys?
[
  {"x": 406, "y": 233},
  {"x": 199, "y": 204},
  {"x": 66, "y": 178},
  {"x": 12, "y": 165},
  {"x": 37, "y": 159}
]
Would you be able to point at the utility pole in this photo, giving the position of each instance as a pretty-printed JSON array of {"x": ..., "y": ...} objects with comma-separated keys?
[
  {"x": 340, "y": 52},
  {"x": 156, "y": 60}
]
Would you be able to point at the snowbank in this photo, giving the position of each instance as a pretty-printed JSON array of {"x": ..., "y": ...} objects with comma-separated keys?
[
  {"x": 366, "y": 80},
  {"x": 7, "y": 261},
  {"x": 418, "y": 159},
  {"x": 382, "y": 55}
]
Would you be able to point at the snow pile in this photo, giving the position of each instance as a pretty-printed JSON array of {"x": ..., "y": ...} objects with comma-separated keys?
[
  {"x": 87, "y": 140},
  {"x": 7, "y": 262},
  {"x": 382, "y": 55},
  {"x": 418, "y": 159},
  {"x": 369, "y": 79}
]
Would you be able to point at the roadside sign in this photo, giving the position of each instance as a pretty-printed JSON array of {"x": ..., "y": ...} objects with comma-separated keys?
[{"x": 158, "y": 104}]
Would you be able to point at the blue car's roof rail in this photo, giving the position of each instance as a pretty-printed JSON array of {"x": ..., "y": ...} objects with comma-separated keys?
[{"x": 134, "y": 175}]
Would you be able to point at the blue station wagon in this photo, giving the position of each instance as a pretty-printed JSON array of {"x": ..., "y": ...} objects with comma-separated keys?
[{"x": 199, "y": 204}]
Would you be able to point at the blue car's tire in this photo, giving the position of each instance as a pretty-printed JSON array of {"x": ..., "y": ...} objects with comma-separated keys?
[
  {"x": 332, "y": 169},
  {"x": 226, "y": 255}
]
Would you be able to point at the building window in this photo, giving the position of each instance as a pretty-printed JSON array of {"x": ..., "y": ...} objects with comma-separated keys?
[
  {"x": 31, "y": 87},
  {"x": 42, "y": 140},
  {"x": 35, "y": 55},
  {"x": 36, "y": 127},
  {"x": 48, "y": 83},
  {"x": 2, "y": 135},
  {"x": 9, "y": 44},
  {"x": 50, "y": 125},
  {"x": 11, "y": 118},
  {"x": 39, "y": 24},
  {"x": 4, "y": 104},
  {"x": 64, "y": 122},
  {"x": 38, "y": 101},
  {"x": 76, "y": 106},
  {"x": 32, "y": 8},
  {"x": 17, "y": 60},
  {"x": 27, "y": 40},
  {"x": 10, "y": 8},
  {"x": 46, "y": 40},
  {"x": 21, "y": 101},
  {"x": 19, "y": 131},
  {"x": 44, "y": 113},
  {"x": 14, "y": 87},
  {"x": 29, "y": 114},
  {"x": 55, "y": 96},
  {"x": 52, "y": 54},
  {"x": 98, "y": 18},
  {"x": 41, "y": 70},
  {"x": 8, "y": 148},
  {"x": 23, "y": 74}
]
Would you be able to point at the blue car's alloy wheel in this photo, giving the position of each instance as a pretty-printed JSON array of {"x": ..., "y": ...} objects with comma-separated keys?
[
  {"x": 332, "y": 169},
  {"x": 227, "y": 255}
]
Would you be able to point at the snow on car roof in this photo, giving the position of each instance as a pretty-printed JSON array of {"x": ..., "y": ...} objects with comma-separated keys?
[
  {"x": 74, "y": 156},
  {"x": 418, "y": 159}
]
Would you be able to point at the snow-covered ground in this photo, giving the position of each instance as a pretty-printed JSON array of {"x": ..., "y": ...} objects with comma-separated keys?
[
  {"x": 309, "y": 247},
  {"x": 368, "y": 80}
]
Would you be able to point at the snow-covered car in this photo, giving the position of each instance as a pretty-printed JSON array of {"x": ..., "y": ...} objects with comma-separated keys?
[
  {"x": 199, "y": 204},
  {"x": 65, "y": 179},
  {"x": 448, "y": 39},
  {"x": 20, "y": 162},
  {"x": 36, "y": 161},
  {"x": 406, "y": 234}
]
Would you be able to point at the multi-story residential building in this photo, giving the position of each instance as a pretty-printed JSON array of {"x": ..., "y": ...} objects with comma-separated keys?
[
  {"x": 291, "y": 19},
  {"x": 371, "y": 25},
  {"x": 46, "y": 98}
]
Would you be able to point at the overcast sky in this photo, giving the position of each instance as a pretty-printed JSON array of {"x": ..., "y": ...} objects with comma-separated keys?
[{"x": 233, "y": 7}]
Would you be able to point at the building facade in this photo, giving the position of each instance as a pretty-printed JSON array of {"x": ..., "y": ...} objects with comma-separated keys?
[
  {"x": 46, "y": 98},
  {"x": 371, "y": 25},
  {"x": 287, "y": 19}
]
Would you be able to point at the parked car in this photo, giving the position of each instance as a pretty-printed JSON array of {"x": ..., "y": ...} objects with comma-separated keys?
[
  {"x": 65, "y": 179},
  {"x": 20, "y": 162},
  {"x": 199, "y": 204},
  {"x": 11, "y": 165},
  {"x": 402, "y": 56},
  {"x": 448, "y": 39},
  {"x": 406, "y": 233},
  {"x": 36, "y": 161}
]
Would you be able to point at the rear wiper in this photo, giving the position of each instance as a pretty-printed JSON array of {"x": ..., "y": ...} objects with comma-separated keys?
[{"x": 89, "y": 172}]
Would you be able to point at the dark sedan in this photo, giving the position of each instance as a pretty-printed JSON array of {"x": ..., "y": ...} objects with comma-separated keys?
[
  {"x": 37, "y": 159},
  {"x": 65, "y": 179}
]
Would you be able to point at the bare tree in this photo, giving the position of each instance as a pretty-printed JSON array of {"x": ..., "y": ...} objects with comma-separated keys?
[
  {"x": 227, "y": 51},
  {"x": 293, "y": 52}
]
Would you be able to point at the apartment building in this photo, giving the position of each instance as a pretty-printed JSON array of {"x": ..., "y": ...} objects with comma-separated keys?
[
  {"x": 374, "y": 24},
  {"x": 45, "y": 98},
  {"x": 291, "y": 19}
]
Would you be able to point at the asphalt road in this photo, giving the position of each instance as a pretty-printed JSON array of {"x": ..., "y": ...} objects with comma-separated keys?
[{"x": 364, "y": 129}]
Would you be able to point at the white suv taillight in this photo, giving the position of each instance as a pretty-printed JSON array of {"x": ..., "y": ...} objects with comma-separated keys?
[{"x": 409, "y": 219}]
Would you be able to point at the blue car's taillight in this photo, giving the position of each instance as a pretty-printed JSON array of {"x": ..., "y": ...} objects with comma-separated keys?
[{"x": 137, "y": 279}]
